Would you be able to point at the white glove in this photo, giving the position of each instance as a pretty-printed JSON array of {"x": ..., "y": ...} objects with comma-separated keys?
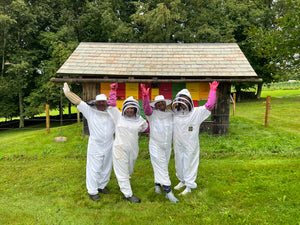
[
  {"x": 66, "y": 88},
  {"x": 70, "y": 95}
]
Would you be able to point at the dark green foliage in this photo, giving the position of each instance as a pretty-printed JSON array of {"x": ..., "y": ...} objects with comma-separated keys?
[{"x": 42, "y": 34}]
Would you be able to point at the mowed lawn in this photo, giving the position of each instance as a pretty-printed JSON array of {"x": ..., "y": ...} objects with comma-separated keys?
[{"x": 250, "y": 176}]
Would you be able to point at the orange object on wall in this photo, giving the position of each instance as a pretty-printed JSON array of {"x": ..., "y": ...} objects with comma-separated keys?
[
  {"x": 105, "y": 89},
  {"x": 204, "y": 91}
]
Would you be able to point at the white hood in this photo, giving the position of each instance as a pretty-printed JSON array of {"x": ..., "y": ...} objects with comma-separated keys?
[
  {"x": 183, "y": 97},
  {"x": 131, "y": 102}
]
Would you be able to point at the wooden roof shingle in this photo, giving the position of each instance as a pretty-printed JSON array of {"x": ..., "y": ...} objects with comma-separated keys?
[{"x": 168, "y": 60}]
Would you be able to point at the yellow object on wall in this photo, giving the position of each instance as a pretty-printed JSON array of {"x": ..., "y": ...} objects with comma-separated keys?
[
  {"x": 119, "y": 104},
  {"x": 132, "y": 89},
  {"x": 154, "y": 93},
  {"x": 204, "y": 91},
  {"x": 105, "y": 88},
  {"x": 194, "y": 90}
]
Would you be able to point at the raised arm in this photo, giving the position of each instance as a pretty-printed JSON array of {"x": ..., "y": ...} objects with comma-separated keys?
[
  {"x": 112, "y": 100},
  {"x": 75, "y": 99},
  {"x": 146, "y": 101},
  {"x": 210, "y": 104}
]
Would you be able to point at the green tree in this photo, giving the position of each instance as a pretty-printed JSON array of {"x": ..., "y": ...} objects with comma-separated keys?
[
  {"x": 59, "y": 34},
  {"x": 59, "y": 47},
  {"x": 19, "y": 54},
  {"x": 157, "y": 21},
  {"x": 103, "y": 21},
  {"x": 5, "y": 24},
  {"x": 21, "y": 74},
  {"x": 37, "y": 36},
  {"x": 279, "y": 43}
]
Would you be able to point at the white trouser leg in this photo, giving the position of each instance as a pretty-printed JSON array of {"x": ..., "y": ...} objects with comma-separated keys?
[
  {"x": 105, "y": 171},
  {"x": 179, "y": 163},
  {"x": 191, "y": 163},
  {"x": 160, "y": 162},
  {"x": 93, "y": 172},
  {"x": 121, "y": 169}
]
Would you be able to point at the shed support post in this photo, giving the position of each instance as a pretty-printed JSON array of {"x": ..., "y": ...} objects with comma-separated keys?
[
  {"x": 90, "y": 90},
  {"x": 220, "y": 114}
]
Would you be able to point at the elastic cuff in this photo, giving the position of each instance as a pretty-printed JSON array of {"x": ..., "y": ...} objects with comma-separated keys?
[{"x": 167, "y": 188}]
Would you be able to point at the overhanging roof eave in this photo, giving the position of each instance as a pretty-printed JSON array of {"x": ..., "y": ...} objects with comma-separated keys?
[{"x": 154, "y": 80}]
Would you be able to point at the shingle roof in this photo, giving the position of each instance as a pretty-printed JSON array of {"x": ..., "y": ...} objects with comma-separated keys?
[{"x": 157, "y": 60}]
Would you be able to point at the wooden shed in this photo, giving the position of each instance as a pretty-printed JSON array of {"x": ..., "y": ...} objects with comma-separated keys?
[{"x": 165, "y": 67}]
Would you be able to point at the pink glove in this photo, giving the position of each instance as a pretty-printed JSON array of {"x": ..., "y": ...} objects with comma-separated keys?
[
  {"x": 147, "y": 107},
  {"x": 145, "y": 92},
  {"x": 210, "y": 104},
  {"x": 112, "y": 100},
  {"x": 114, "y": 86},
  {"x": 148, "y": 128},
  {"x": 214, "y": 85}
]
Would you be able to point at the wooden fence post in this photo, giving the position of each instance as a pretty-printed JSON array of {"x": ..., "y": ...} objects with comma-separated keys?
[
  {"x": 268, "y": 107},
  {"x": 78, "y": 116},
  {"x": 47, "y": 119}
]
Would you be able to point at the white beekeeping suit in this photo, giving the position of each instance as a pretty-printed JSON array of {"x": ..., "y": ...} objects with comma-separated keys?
[
  {"x": 126, "y": 147},
  {"x": 99, "y": 151},
  {"x": 160, "y": 144},
  {"x": 186, "y": 138},
  {"x": 160, "y": 119}
]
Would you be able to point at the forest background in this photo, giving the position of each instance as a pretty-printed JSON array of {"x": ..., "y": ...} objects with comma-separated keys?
[{"x": 36, "y": 37}]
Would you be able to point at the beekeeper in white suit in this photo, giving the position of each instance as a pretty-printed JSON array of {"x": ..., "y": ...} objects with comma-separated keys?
[
  {"x": 160, "y": 144},
  {"x": 126, "y": 147},
  {"x": 99, "y": 151},
  {"x": 187, "y": 120}
]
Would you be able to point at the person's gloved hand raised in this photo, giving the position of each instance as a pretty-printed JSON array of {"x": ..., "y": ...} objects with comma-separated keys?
[
  {"x": 66, "y": 88},
  {"x": 145, "y": 91},
  {"x": 70, "y": 95},
  {"x": 112, "y": 100},
  {"x": 114, "y": 86},
  {"x": 214, "y": 85}
]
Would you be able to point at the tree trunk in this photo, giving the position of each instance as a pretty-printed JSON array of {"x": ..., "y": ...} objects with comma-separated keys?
[
  {"x": 238, "y": 94},
  {"x": 259, "y": 89},
  {"x": 21, "y": 106},
  {"x": 3, "y": 53}
]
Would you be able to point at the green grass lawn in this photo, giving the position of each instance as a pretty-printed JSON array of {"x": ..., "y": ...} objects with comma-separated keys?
[
  {"x": 250, "y": 176},
  {"x": 284, "y": 113},
  {"x": 280, "y": 93},
  {"x": 52, "y": 112}
]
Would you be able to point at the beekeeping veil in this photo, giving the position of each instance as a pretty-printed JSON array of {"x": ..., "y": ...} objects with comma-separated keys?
[
  {"x": 182, "y": 102},
  {"x": 130, "y": 102}
]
